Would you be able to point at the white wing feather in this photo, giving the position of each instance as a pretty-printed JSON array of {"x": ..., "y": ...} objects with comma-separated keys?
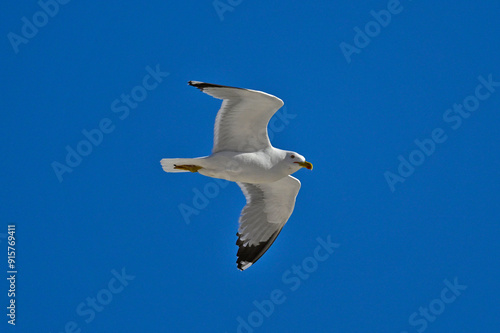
[
  {"x": 241, "y": 123},
  {"x": 268, "y": 208}
]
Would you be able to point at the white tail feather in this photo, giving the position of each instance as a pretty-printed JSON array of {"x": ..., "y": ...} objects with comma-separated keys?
[{"x": 168, "y": 164}]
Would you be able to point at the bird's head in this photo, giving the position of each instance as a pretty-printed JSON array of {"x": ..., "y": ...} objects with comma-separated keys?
[{"x": 297, "y": 161}]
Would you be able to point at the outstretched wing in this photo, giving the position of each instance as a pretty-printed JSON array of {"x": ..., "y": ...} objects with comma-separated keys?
[
  {"x": 268, "y": 208},
  {"x": 241, "y": 123}
]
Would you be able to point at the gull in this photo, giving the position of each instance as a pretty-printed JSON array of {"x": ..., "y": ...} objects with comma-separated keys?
[{"x": 242, "y": 153}]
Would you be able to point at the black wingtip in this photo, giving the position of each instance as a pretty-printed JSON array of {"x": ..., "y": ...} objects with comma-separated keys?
[
  {"x": 203, "y": 85},
  {"x": 248, "y": 255},
  {"x": 193, "y": 83}
]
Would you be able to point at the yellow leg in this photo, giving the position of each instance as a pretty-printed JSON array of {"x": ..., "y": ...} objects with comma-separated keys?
[{"x": 188, "y": 167}]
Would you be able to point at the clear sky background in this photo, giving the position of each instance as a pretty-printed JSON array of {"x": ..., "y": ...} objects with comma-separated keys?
[{"x": 102, "y": 245}]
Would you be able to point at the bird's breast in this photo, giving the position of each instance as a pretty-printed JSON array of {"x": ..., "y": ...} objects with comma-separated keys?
[{"x": 242, "y": 167}]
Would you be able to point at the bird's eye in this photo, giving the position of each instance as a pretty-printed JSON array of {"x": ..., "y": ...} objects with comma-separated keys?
[{"x": 292, "y": 156}]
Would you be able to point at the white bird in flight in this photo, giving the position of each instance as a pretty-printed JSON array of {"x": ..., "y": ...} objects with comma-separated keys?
[{"x": 242, "y": 153}]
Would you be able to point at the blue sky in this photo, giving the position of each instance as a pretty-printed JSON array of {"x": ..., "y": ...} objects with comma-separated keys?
[{"x": 397, "y": 104}]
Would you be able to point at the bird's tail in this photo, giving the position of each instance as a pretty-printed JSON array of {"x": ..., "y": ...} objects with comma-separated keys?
[{"x": 168, "y": 164}]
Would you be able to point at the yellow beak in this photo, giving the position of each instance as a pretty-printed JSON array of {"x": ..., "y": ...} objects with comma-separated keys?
[{"x": 306, "y": 165}]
